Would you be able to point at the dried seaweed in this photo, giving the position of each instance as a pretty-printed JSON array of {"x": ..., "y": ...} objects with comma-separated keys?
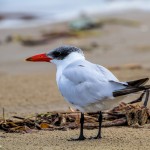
[{"x": 122, "y": 115}]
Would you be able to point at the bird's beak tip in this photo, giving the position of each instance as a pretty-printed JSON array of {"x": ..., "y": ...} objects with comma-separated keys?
[{"x": 29, "y": 59}]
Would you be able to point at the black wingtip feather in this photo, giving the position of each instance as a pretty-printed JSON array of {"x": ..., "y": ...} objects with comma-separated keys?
[
  {"x": 137, "y": 83},
  {"x": 130, "y": 90}
]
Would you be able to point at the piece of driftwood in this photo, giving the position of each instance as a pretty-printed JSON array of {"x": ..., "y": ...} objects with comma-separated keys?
[
  {"x": 44, "y": 39},
  {"x": 122, "y": 115},
  {"x": 33, "y": 42},
  {"x": 60, "y": 34}
]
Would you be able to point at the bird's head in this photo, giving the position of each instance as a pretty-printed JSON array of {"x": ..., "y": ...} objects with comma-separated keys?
[{"x": 59, "y": 55}]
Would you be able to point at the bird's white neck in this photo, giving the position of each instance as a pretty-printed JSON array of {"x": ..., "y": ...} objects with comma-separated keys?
[{"x": 62, "y": 64}]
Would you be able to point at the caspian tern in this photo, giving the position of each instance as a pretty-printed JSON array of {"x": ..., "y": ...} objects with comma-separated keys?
[{"x": 88, "y": 87}]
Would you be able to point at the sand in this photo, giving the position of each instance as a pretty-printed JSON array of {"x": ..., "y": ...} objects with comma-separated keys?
[
  {"x": 28, "y": 88},
  {"x": 113, "y": 139}
]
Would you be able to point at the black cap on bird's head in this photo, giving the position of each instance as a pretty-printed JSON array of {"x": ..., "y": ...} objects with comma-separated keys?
[{"x": 59, "y": 53}]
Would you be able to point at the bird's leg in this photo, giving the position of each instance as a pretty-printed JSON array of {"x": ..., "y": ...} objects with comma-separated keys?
[
  {"x": 100, "y": 117},
  {"x": 139, "y": 99},
  {"x": 81, "y": 136},
  {"x": 146, "y": 98}
]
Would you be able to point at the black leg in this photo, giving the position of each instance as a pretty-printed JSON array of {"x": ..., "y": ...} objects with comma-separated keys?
[
  {"x": 81, "y": 136},
  {"x": 146, "y": 98},
  {"x": 100, "y": 117}
]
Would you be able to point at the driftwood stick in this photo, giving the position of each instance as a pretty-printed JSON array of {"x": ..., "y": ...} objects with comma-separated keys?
[
  {"x": 116, "y": 122},
  {"x": 109, "y": 117},
  {"x": 116, "y": 114},
  {"x": 93, "y": 119},
  {"x": 67, "y": 112},
  {"x": 17, "y": 117}
]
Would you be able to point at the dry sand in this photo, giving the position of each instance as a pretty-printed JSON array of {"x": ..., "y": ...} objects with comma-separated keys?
[
  {"x": 29, "y": 88},
  {"x": 119, "y": 138}
]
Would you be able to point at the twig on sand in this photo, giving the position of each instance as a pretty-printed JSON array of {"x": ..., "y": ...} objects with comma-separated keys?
[{"x": 4, "y": 114}]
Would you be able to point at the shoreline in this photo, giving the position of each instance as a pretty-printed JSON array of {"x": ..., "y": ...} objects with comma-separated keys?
[
  {"x": 64, "y": 10},
  {"x": 28, "y": 18}
]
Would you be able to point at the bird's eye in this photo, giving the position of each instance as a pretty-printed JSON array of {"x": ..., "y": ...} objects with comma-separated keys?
[{"x": 57, "y": 53}]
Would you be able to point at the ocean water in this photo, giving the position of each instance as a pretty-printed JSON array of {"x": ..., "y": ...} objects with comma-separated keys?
[{"x": 48, "y": 11}]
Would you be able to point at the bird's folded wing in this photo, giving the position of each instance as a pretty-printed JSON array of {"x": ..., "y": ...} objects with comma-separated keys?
[{"x": 89, "y": 84}]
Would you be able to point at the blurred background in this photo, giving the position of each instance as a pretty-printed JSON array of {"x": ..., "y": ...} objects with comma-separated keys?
[
  {"x": 30, "y": 12},
  {"x": 112, "y": 33}
]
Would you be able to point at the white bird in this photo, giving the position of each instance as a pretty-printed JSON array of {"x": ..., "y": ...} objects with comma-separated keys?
[{"x": 88, "y": 87}]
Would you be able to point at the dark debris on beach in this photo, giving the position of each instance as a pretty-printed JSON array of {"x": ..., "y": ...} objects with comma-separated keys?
[
  {"x": 123, "y": 115},
  {"x": 80, "y": 28}
]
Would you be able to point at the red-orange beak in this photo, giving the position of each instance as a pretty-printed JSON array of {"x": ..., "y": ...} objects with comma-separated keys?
[{"x": 39, "y": 57}]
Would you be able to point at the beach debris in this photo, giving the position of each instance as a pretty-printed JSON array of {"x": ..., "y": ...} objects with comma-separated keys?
[
  {"x": 59, "y": 34},
  {"x": 137, "y": 116},
  {"x": 132, "y": 115},
  {"x": 26, "y": 40},
  {"x": 44, "y": 39},
  {"x": 21, "y": 16},
  {"x": 9, "y": 39},
  {"x": 84, "y": 24},
  {"x": 33, "y": 42}
]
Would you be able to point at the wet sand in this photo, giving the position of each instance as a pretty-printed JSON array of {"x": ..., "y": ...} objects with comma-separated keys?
[{"x": 28, "y": 88}]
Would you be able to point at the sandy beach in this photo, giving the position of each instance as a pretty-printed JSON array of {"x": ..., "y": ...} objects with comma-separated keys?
[
  {"x": 28, "y": 88},
  {"x": 113, "y": 138}
]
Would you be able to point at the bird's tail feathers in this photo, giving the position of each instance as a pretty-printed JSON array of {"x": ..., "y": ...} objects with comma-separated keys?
[{"x": 130, "y": 90}]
